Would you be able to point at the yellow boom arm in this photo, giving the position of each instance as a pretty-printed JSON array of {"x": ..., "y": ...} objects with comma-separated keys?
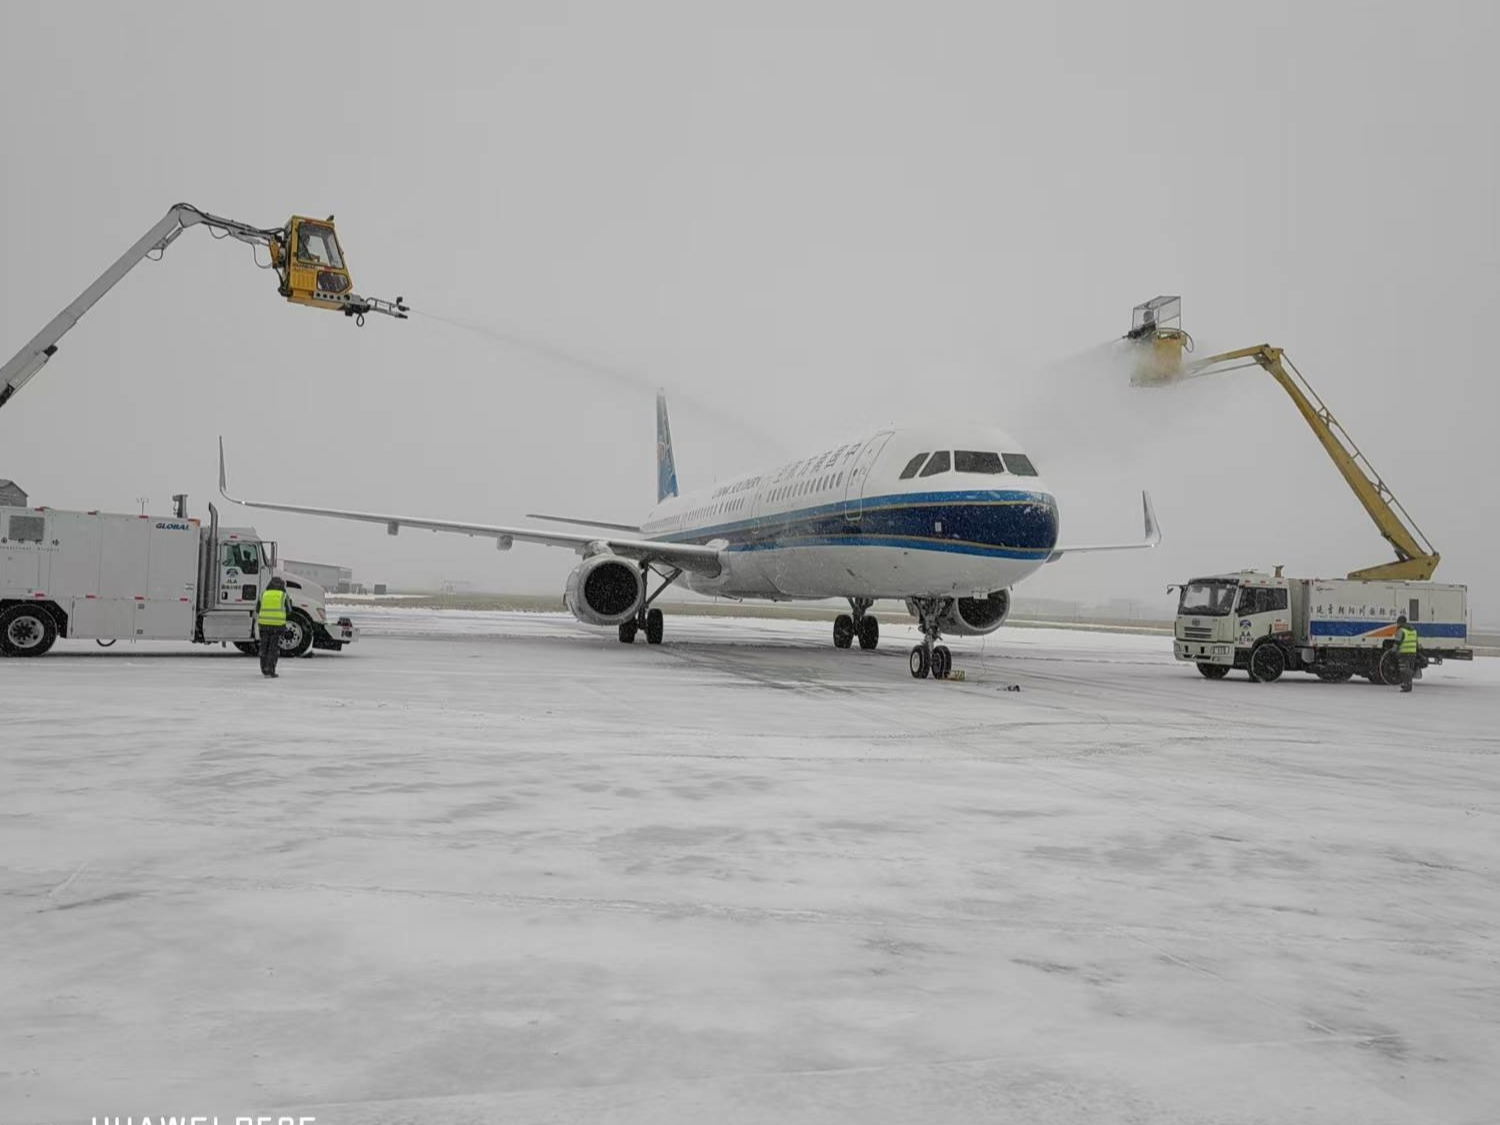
[
  {"x": 305, "y": 254},
  {"x": 1160, "y": 362}
]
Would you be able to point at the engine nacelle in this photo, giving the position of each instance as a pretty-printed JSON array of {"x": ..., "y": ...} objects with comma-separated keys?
[
  {"x": 605, "y": 590},
  {"x": 974, "y": 617}
]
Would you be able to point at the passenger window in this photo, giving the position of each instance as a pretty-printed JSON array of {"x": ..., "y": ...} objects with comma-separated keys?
[
  {"x": 971, "y": 461},
  {"x": 912, "y": 466},
  {"x": 1277, "y": 600},
  {"x": 939, "y": 464},
  {"x": 1020, "y": 464}
]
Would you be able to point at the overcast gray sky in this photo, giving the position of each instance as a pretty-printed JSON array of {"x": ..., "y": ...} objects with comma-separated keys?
[{"x": 802, "y": 219}]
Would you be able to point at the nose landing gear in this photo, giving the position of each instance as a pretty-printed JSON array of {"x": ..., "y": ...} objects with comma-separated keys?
[{"x": 930, "y": 657}]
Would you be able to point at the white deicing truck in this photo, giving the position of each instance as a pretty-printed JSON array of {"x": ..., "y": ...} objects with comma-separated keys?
[
  {"x": 1267, "y": 624},
  {"x": 105, "y": 577},
  {"x": 1333, "y": 628}
]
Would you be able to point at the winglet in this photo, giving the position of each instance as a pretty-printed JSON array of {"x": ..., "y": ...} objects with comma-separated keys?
[
  {"x": 1151, "y": 535},
  {"x": 223, "y": 477}
]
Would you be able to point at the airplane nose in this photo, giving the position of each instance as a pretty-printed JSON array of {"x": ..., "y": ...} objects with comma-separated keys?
[
  {"x": 1053, "y": 519},
  {"x": 1027, "y": 524}
]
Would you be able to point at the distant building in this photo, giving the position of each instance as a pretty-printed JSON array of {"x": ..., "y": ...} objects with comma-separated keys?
[
  {"x": 333, "y": 579},
  {"x": 11, "y": 495}
]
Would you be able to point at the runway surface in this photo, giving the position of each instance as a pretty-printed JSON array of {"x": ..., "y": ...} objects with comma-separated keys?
[{"x": 492, "y": 867}]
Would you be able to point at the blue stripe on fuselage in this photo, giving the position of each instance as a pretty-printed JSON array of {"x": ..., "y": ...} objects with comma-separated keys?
[{"x": 1001, "y": 524}]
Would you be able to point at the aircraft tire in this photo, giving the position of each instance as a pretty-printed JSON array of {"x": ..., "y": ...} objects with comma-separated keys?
[
  {"x": 869, "y": 633},
  {"x": 843, "y": 631},
  {"x": 656, "y": 626},
  {"x": 942, "y": 662},
  {"x": 919, "y": 663},
  {"x": 627, "y": 632}
]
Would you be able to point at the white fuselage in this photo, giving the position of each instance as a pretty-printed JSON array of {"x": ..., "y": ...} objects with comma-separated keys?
[{"x": 859, "y": 520}]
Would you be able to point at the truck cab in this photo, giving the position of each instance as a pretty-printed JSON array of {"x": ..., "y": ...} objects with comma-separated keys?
[
  {"x": 246, "y": 563},
  {"x": 1220, "y": 617}
]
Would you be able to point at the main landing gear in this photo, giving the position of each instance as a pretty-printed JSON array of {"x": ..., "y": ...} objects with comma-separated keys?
[
  {"x": 648, "y": 620},
  {"x": 929, "y": 657},
  {"x": 860, "y": 624}
]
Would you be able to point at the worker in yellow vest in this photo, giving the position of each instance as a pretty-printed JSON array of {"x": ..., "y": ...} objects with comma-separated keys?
[
  {"x": 1406, "y": 651},
  {"x": 270, "y": 620}
]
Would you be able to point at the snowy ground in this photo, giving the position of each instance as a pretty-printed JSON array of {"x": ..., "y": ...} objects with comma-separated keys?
[{"x": 497, "y": 868}]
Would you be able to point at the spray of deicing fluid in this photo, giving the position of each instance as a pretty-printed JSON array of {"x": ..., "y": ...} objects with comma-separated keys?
[
  {"x": 601, "y": 372},
  {"x": 1098, "y": 438}
]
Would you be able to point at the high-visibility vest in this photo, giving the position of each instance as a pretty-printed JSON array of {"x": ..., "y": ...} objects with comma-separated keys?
[
  {"x": 1407, "y": 638},
  {"x": 272, "y": 608}
]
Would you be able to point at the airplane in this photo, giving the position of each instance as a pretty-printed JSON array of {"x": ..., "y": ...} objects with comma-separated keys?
[{"x": 947, "y": 518}]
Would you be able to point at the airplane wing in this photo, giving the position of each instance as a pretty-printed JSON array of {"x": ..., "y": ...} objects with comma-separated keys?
[
  {"x": 1152, "y": 536},
  {"x": 585, "y": 523},
  {"x": 684, "y": 556}
]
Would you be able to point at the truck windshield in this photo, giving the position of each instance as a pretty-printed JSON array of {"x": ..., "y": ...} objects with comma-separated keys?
[{"x": 1208, "y": 599}]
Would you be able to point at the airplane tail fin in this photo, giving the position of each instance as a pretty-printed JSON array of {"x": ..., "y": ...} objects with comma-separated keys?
[{"x": 666, "y": 464}]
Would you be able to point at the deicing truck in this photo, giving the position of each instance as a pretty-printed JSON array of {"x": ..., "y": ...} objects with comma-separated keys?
[
  {"x": 1333, "y": 628},
  {"x": 106, "y": 577}
]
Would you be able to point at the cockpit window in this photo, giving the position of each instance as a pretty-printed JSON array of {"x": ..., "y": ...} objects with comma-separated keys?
[
  {"x": 912, "y": 466},
  {"x": 939, "y": 464},
  {"x": 1020, "y": 464},
  {"x": 972, "y": 461}
]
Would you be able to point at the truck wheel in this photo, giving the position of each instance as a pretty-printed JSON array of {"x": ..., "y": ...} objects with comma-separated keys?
[
  {"x": 1388, "y": 668},
  {"x": 1330, "y": 676},
  {"x": 1267, "y": 663},
  {"x": 249, "y": 648},
  {"x": 296, "y": 635},
  {"x": 1213, "y": 671},
  {"x": 26, "y": 630}
]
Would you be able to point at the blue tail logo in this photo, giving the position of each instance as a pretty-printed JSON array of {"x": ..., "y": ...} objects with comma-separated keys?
[{"x": 666, "y": 464}]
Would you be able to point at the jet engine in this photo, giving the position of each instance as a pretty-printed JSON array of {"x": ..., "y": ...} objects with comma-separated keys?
[
  {"x": 605, "y": 590},
  {"x": 974, "y": 617}
]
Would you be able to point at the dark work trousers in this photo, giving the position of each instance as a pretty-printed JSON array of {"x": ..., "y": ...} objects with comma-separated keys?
[
  {"x": 1408, "y": 668},
  {"x": 270, "y": 648}
]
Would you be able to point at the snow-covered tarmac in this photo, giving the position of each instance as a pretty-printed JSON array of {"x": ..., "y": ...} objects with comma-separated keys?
[{"x": 494, "y": 868}]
